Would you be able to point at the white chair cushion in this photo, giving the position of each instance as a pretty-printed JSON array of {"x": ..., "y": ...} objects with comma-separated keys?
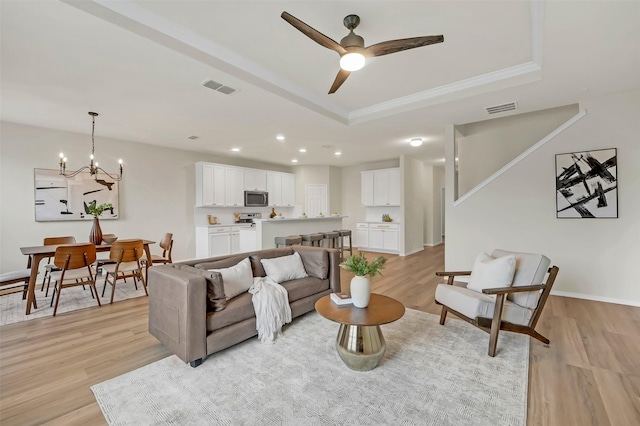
[
  {"x": 15, "y": 275},
  {"x": 124, "y": 267},
  {"x": 284, "y": 268},
  {"x": 530, "y": 270},
  {"x": 71, "y": 274},
  {"x": 236, "y": 279},
  {"x": 473, "y": 304},
  {"x": 489, "y": 272}
]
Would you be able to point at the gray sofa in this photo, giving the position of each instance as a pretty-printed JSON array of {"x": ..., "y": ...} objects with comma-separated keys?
[{"x": 181, "y": 314}]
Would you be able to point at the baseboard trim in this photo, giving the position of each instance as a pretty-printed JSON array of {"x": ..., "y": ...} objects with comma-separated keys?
[
  {"x": 412, "y": 252},
  {"x": 433, "y": 245},
  {"x": 596, "y": 298}
]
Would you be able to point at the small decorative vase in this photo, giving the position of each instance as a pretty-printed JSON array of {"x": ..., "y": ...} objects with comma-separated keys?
[
  {"x": 360, "y": 291},
  {"x": 95, "y": 236}
]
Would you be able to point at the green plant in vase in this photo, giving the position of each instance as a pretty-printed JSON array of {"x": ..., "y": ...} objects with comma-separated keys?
[
  {"x": 95, "y": 210},
  {"x": 363, "y": 270}
]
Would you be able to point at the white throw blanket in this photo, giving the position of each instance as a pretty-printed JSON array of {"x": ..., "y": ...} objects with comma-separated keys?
[{"x": 271, "y": 304}]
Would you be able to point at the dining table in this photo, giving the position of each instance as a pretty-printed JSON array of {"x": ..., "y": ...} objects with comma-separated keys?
[{"x": 37, "y": 253}]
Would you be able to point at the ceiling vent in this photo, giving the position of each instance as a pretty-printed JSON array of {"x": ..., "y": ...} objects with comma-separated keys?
[
  {"x": 219, "y": 87},
  {"x": 497, "y": 109},
  {"x": 194, "y": 137}
]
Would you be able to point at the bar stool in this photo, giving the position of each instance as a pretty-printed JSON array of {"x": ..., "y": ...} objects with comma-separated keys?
[
  {"x": 344, "y": 233},
  {"x": 311, "y": 239},
  {"x": 288, "y": 241},
  {"x": 331, "y": 238}
]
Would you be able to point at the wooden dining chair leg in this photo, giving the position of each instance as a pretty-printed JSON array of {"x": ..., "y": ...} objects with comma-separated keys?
[
  {"x": 113, "y": 289},
  {"x": 55, "y": 309}
]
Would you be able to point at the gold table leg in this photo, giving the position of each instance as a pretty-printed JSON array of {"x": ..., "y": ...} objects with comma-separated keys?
[{"x": 360, "y": 347}]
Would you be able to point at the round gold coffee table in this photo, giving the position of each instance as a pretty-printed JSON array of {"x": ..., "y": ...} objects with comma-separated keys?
[{"x": 360, "y": 342}]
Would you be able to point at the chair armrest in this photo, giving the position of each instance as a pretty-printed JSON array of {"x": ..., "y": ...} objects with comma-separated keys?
[
  {"x": 507, "y": 290},
  {"x": 452, "y": 274}
]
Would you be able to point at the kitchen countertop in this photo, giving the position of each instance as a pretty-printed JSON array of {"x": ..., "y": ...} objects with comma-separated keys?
[
  {"x": 380, "y": 222},
  {"x": 245, "y": 225},
  {"x": 308, "y": 218}
]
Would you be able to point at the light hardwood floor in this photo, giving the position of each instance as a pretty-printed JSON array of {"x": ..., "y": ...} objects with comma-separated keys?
[{"x": 588, "y": 375}]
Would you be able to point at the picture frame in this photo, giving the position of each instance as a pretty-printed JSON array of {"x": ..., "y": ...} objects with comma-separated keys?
[
  {"x": 587, "y": 184},
  {"x": 58, "y": 198}
]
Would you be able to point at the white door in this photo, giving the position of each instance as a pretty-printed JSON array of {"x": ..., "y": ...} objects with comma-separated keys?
[{"x": 316, "y": 200}]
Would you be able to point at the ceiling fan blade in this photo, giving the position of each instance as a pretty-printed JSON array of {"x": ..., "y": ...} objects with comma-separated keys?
[
  {"x": 340, "y": 78},
  {"x": 393, "y": 46},
  {"x": 313, "y": 34}
]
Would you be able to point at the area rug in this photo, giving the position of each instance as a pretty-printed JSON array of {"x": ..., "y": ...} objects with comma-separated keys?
[
  {"x": 430, "y": 375},
  {"x": 12, "y": 307}
]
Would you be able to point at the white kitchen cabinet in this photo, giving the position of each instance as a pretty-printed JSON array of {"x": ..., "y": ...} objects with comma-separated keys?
[
  {"x": 362, "y": 235},
  {"x": 219, "y": 244},
  {"x": 366, "y": 190},
  {"x": 288, "y": 190},
  {"x": 234, "y": 187},
  {"x": 381, "y": 237},
  {"x": 210, "y": 186},
  {"x": 274, "y": 188},
  {"x": 235, "y": 240},
  {"x": 255, "y": 180},
  {"x": 393, "y": 186},
  {"x": 218, "y": 240}
]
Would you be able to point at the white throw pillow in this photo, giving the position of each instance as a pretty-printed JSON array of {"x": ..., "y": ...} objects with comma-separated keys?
[
  {"x": 284, "y": 268},
  {"x": 236, "y": 279},
  {"x": 489, "y": 272}
]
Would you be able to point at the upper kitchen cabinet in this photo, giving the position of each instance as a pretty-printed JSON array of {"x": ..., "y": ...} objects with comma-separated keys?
[
  {"x": 255, "y": 180},
  {"x": 234, "y": 186},
  {"x": 281, "y": 188},
  {"x": 288, "y": 189},
  {"x": 210, "y": 184},
  {"x": 381, "y": 187}
]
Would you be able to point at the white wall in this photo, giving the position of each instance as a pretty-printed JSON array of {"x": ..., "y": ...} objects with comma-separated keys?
[
  {"x": 157, "y": 194},
  {"x": 413, "y": 188},
  {"x": 500, "y": 140},
  {"x": 597, "y": 257}
]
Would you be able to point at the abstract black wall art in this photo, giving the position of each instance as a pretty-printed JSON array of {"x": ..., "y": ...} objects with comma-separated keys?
[
  {"x": 587, "y": 184},
  {"x": 59, "y": 198}
]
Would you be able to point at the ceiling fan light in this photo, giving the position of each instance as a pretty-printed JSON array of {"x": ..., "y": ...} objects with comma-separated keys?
[{"x": 352, "y": 61}]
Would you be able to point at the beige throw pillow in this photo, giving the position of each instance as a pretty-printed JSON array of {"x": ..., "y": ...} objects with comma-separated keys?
[
  {"x": 237, "y": 279},
  {"x": 489, "y": 272}
]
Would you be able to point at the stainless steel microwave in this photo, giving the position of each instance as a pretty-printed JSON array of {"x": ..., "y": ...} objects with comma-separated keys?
[{"x": 256, "y": 198}]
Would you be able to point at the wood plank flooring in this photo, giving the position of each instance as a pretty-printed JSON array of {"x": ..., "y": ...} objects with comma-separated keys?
[{"x": 588, "y": 375}]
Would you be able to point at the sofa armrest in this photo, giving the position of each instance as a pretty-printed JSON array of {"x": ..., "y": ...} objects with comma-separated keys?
[{"x": 178, "y": 311}]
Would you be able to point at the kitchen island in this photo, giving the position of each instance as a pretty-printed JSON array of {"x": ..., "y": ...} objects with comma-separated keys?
[{"x": 268, "y": 229}]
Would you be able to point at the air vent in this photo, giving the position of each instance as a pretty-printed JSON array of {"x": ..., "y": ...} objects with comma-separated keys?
[
  {"x": 194, "y": 137},
  {"x": 497, "y": 109},
  {"x": 219, "y": 87}
]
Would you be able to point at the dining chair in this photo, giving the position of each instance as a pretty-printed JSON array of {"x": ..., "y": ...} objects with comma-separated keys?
[
  {"x": 74, "y": 262},
  {"x": 49, "y": 267},
  {"x": 126, "y": 254},
  {"x": 166, "y": 244},
  {"x": 15, "y": 282}
]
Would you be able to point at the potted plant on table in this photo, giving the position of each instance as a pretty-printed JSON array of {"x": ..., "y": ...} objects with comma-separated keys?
[
  {"x": 95, "y": 236},
  {"x": 363, "y": 271}
]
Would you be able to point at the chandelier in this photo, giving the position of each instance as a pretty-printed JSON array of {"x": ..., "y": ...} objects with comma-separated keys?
[{"x": 92, "y": 168}]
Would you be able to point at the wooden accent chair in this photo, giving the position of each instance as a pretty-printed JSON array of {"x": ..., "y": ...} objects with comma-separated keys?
[
  {"x": 49, "y": 267},
  {"x": 74, "y": 262},
  {"x": 515, "y": 308},
  {"x": 15, "y": 282},
  {"x": 167, "y": 246},
  {"x": 126, "y": 254}
]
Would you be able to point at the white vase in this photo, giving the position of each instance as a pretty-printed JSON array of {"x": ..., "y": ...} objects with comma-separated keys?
[{"x": 360, "y": 291}]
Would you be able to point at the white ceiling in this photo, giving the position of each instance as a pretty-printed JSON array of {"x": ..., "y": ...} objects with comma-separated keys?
[{"x": 141, "y": 65}]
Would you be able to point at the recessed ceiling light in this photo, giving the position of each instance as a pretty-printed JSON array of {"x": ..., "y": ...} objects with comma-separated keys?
[
  {"x": 280, "y": 137},
  {"x": 294, "y": 161},
  {"x": 337, "y": 153},
  {"x": 235, "y": 149},
  {"x": 302, "y": 150},
  {"x": 416, "y": 141}
]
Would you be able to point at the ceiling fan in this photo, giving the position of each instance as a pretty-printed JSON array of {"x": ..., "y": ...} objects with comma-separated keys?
[{"x": 351, "y": 48}]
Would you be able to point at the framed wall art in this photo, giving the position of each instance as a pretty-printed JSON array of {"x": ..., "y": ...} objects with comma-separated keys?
[
  {"x": 587, "y": 184},
  {"x": 59, "y": 198}
]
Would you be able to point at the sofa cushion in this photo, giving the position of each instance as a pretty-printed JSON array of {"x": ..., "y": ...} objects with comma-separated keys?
[
  {"x": 216, "y": 299},
  {"x": 473, "y": 304},
  {"x": 256, "y": 264},
  {"x": 530, "y": 270},
  {"x": 488, "y": 272},
  {"x": 284, "y": 268},
  {"x": 236, "y": 279},
  {"x": 238, "y": 309},
  {"x": 316, "y": 261},
  {"x": 227, "y": 262},
  {"x": 304, "y": 287}
]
